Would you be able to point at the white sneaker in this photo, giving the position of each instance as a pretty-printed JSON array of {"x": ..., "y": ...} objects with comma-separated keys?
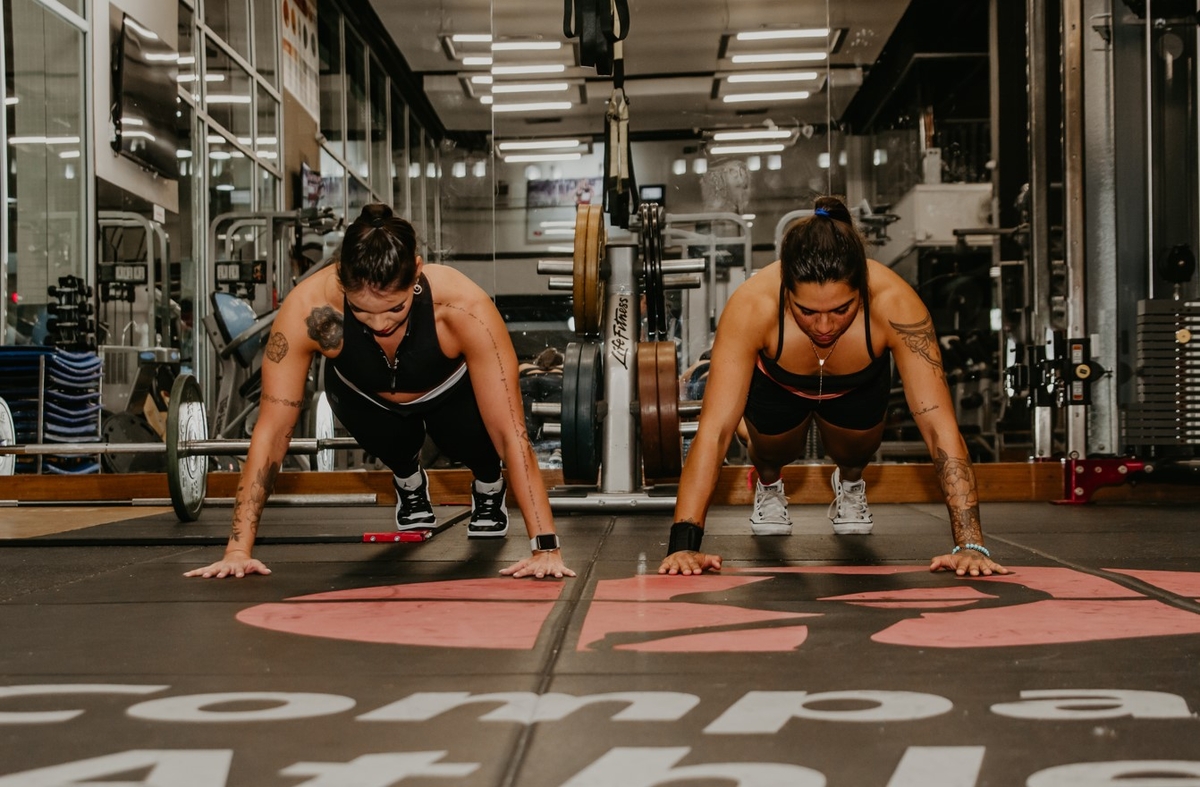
[
  {"x": 414, "y": 511},
  {"x": 770, "y": 517},
  {"x": 849, "y": 510}
]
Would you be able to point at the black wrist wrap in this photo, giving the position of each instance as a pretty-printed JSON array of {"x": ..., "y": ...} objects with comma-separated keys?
[{"x": 685, "y": 537}]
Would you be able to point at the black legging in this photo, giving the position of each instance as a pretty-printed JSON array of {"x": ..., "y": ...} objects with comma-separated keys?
[{"x": 395, "y": 435}]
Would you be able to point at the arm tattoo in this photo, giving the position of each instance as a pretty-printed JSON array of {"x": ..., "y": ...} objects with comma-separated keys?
[
  {"x": 962, "y": 498},
  {"x": 920, "y": 338},
  {"x": 297, "y": 403},
  {"x": 325, "y": 327},
  {"x": 929, "y": 409},
  {"x": 251, "y": 505},
  {"x": 277, "y": 347}
]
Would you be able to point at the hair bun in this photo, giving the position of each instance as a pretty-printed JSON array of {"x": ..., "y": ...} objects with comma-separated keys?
[{"x": 376, "y": 214}]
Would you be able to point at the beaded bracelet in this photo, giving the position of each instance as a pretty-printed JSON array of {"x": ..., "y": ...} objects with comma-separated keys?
[
  {"x": 977, "y": 547},
  {"x": 685, "y": 537}
]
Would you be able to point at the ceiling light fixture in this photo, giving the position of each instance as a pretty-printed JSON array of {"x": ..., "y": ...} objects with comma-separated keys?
[
  {"x": 477, "y": 60},
  {"x": 522, "y": 158},
  {"x": 739, "y": 98},
  {"x": 718, "y": 150},
  {"x": 544, "y": 68},
  {"x": 739, "y": 136},
  {"x": 534, "y": 106},
  {"x": 774, "y": 76},
  {"x": 538, "y": 144},
  {"x": 526, "y": 46},
  {"x": 471, "y": 38},
  {"x": 780, "y": 57},
  {"x": 779, "y": 35},
  {"x": 531, "y": 87},
  {"x": 481, "y": 79}
]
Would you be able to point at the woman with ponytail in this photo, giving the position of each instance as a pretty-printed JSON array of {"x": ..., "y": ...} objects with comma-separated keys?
[
  {"x": 808, "y": 341},
  {"x": 412, "y": 350}
]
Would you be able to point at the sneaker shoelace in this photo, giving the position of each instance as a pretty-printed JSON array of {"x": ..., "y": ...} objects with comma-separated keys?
[
  {"x": 487, "y": 506},
  {"x": 412, "y": 499},
  {"x": 852, "y": 503},
  {"x": 770, "y": 501}
]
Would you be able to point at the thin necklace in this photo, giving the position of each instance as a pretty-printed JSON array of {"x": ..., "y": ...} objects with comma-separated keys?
[{"x": 821, "y": 364}]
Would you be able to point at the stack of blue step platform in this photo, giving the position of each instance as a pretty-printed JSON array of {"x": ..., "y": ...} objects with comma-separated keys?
[{"x": 59, "y": 390}]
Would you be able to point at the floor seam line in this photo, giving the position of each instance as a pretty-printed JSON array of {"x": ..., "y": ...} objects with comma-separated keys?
[{"x": 547, "y": 671}]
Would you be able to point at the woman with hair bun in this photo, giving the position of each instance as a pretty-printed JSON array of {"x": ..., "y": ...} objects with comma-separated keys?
[
  {"x": 412, "y": 350},
  {"x": 808, "y": 341}
]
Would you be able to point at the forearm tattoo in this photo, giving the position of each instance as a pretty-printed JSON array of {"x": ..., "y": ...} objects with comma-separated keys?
[
  {"x": 325, "y": 327},
  {"x": 297, "y": 403},
  {"x": 277, "y": 347},
  {"x": 962, "y": 497},
  {"x": 249, "y": 505},
  {"x": 921, "y": 339}
]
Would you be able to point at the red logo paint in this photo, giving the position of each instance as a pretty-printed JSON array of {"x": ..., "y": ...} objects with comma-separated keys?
[{"x": 720, "y": 613}]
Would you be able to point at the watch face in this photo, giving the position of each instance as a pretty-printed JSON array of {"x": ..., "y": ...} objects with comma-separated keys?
[{"x": 544, "y": 543}]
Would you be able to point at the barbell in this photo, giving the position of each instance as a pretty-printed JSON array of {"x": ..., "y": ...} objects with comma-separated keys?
[{"x": 186, "y": 445}]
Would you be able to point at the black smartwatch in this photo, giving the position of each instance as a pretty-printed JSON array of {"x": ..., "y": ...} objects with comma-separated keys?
[{"x": 546, "y": 542}]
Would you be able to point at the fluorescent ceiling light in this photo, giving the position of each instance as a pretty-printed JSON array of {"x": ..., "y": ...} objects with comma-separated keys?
[
  {"x": 778, "y": 35},
  {"x": 39, "y": 140},
  {"x": 531, "y": 87},
  {"x": 718, "y": 150},
  {"x": 186, "y": 60},
  {"x": 526, "y": 46},
  {"x": 544, "y": 68},
  {"x": 486, "y": 100},
  {"x": 222, "y": 98},
  {"x": 481, "y": 79},
  {"x": 536, "y": 106},
  {"x": 477, "y": 60},
  {"x": 557, "y": 224},
  {"x": 739, "y": 98},
  {"x": 561, "y": 249},
  {"x": 219, "y": 155},
  {"x": 162, "y": 57},
  {"x": 181, "y": 153},
  {"x": 521, "y": 158},
  {"x": 69, "y": 154},
  {"x": 765, "y": 133},
  {"x": 11, "y": 101},
  {"x": 774, "y": 76},
  {"x": 147, "y": 33},
  {"x": 471, "y": 38},
  {"x": 780, "y": 57},
  {"x": 214, "y": 139},
  {"x": 538, "y": 144}
]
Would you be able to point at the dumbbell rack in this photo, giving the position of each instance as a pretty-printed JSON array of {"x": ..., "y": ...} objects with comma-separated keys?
[{"x": 619, "y": 483}]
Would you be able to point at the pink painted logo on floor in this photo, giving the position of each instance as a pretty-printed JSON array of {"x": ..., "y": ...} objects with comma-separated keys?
[{"x": 653, "y": 613}]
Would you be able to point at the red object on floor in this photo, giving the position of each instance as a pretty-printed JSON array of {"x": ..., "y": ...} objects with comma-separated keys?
[{"x": 397, "y": 536}]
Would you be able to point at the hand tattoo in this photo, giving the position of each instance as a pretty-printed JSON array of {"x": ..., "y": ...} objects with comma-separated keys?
[
  {"x": 277, "y": 347},
  {"x": 325, "y": 327},
  {"x": 921, "y": 339}
]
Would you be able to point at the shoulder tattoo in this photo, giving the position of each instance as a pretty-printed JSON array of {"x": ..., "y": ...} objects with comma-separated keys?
[
  {"x": 325, "y": 327},
  {"x": 277, "y": 347},
  {"x": 920, "y": 338}
]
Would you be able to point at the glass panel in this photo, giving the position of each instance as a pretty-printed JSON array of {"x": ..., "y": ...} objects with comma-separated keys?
[
  {"x": 230, "y": 19},
  {"x": 268, "y": 189},
  {"x": 48, "y": 162},
  {"x": 359, "y": 195},
  {"x": 399, "y": 172},
  {"x": 357, "y": 118},
  {"x": 333, "y": 182},
  {"x": 266, "y": 40},
  {"x": 380, "y": 153},
  {"x": 432, "y": 206},
  {"x": 227, "y": 91},
  {"x": 329, "y": 48},
  {"x": 416, "y": 176},
  {"x": 266, "y": 143},
  {"x": 189, "y": 78},
  {"x": 183, "y": 242}
]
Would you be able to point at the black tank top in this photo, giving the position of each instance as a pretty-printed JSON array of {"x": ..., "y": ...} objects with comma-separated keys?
[
  {"x": 420, "y": 365},
  {"x": 832, "y": 383}
]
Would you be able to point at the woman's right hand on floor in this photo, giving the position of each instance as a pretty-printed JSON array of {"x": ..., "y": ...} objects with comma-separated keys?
[
  {"x": 688, "y": 563},
  {"x": 237, "y": 564}
]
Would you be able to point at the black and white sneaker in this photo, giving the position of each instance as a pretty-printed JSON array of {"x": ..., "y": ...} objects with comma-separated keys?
[
  {"x": 489, "y": 510},
  {"x": 414, "y": 510}
]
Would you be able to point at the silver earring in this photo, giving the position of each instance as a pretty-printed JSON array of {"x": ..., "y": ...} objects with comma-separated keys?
[{"x": 418, "y": 289}]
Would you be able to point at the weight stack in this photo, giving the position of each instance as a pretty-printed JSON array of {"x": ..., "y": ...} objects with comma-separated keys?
[{"x": 1167, "y": 408}]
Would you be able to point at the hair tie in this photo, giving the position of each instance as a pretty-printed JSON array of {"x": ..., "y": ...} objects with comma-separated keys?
[
  {"x": 377, "y": 222},
  {"x": 821, "y": 212}
]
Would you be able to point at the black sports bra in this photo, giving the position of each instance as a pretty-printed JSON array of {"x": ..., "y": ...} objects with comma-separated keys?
[
  {"x": 829, "y": 383},
  {"x": 420, "y": 365}
]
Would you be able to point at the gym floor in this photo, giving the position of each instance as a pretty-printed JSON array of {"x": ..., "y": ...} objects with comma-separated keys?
[{"x": 809, "y": 660}]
